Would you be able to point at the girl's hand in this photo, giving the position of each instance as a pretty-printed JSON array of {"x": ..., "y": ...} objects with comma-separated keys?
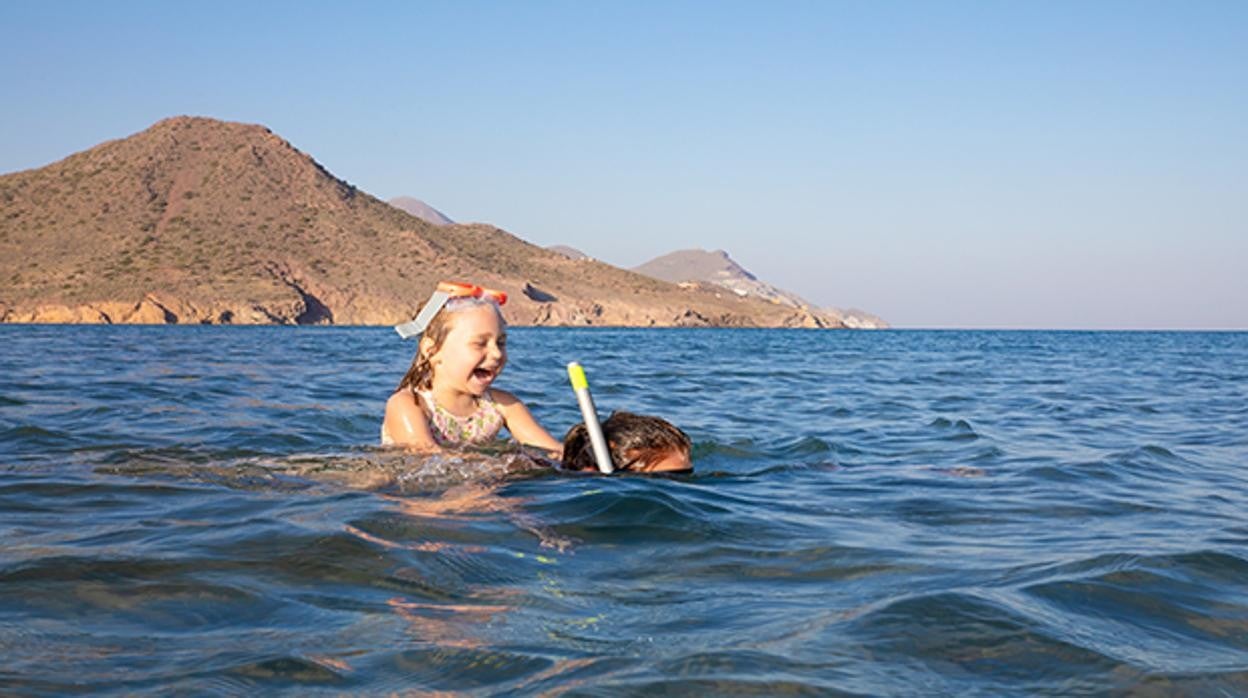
[{"x": 523, "y": 426}]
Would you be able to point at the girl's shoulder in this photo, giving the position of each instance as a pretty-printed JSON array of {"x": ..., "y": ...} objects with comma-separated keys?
[{"x": 403, "y": 400}]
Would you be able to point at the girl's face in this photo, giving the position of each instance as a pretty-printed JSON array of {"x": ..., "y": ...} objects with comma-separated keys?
[{"x": 473, "y": 352}]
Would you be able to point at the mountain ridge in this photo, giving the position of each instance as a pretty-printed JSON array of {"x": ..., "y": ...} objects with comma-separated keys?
[
  {"x": 420, "y": 209},
  {"x": 200, "y": 220},
  {"x": 718, "y": 268}
]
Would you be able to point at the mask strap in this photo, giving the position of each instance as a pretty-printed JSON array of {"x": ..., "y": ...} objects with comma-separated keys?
[{"x": 416, "y": 327}]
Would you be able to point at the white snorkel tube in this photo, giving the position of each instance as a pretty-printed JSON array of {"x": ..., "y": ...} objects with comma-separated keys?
[{"x": 581, "y": 385}]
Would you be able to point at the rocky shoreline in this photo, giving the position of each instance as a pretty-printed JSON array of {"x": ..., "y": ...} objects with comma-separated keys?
[{"x": 162, "y": 310}]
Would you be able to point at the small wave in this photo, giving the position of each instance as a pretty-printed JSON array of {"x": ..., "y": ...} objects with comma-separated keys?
[
  {"x": 410, "y": 473},
  {"x": 787, "y": 468},
  {"x": 986, "y": 454},
  {"x": 1155, "y": 614},
  {"x": 740, "y": 448},
  {"x": 127, "y": 597},
  {"x": 240, "y": 476},
  {"x": 166, "y": 458},
  {"x": 725, "y": 687},
  {"x": 755, "y": 561},
  {"x": 634, "y": 510},
  {"x": 1212, "y": 567},
  {"x": 954, "y": 430},
  {"x": 454, "y": 668},
  {"x": 1069, "y": 473},
  {"x": 1150, "y": 462},
  {"x": 373, "y": 469},
  {"x": 1069, "y": 569},
  {"x": 837, "y": 411},
  {"x": 799, "y": 447},
  {"x": 1166, "y": 683},
  {"x": 984, "y": 636},
  {"x": 284, "y": 671},
  {"x": 1152, "y": 450},
  {"x": 741, "y": 663},
  {"x": 31, "y": 436},
  {"x": 808, "y": 448},
  {"x": 449, "y": 556}
]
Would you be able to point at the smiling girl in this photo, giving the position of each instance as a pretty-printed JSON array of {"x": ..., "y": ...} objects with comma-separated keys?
[{"x": 446, "y": 397}]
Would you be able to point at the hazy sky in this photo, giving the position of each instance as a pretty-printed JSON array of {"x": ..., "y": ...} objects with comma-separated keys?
[{"x": 942, "y": 164}]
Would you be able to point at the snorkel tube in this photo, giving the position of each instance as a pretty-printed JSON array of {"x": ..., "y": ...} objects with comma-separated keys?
[{"x": 580, "y": 385}]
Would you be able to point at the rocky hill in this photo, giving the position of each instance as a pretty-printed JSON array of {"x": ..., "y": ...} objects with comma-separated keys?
[
  {"x": 420, "y": 209},
  {"x": 569, "y": 252},
  {"x": 717, "y": 268},
  {"x": 204, "y": 221},
  {"x": 856, "y": 319}
]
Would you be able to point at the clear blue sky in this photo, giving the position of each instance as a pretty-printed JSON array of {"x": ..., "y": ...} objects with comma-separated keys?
[{"x": 942, "y": 164}]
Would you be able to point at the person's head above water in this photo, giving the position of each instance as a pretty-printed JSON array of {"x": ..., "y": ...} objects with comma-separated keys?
[
  {"x": 465, "y": 342},
  {"x": 447, "y": 397},
  {"x": 638, "y": 443}
]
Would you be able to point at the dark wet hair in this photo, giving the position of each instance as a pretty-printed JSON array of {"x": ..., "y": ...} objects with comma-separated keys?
[{"x": 633, "y": 439}]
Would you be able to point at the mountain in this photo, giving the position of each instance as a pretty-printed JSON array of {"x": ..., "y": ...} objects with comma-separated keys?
[
  {"x": 204, "y": 221},
  {"x": 569, "y": 252},
  {"x": 856, "y": 319},
  {"x": 717, "y": 268},
  {"x": 420, "y": 209}
]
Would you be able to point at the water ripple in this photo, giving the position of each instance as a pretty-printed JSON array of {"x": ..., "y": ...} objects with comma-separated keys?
[{"x": 204, "y": 510}]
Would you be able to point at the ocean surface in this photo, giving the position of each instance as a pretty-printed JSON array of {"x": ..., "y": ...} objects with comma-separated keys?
[{"x": 204, "y": 510}]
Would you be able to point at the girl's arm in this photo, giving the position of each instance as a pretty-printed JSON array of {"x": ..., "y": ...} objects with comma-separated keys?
[
  {"x": 407, "y": 424},
  {"x": 523, "y": 426}
]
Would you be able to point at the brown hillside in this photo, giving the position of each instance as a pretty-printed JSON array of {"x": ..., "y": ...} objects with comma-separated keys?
[{"x": 198, "y": 220}]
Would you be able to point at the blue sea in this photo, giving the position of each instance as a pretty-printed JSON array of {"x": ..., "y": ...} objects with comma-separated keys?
[{"x": 204, "y": 510}]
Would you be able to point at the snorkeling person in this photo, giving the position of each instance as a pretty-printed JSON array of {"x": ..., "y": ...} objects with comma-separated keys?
[
  {"x": 447, "y": 398},
  {"x": 638, "y": 443}
]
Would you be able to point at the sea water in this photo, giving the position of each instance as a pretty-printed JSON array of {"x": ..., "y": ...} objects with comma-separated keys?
[{"x": 204, "y": 510}]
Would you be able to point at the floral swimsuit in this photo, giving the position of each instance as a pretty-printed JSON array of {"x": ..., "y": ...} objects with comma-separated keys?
[
  {"x": 477, "y": 428},
  {"x": 482, "y": 426}
]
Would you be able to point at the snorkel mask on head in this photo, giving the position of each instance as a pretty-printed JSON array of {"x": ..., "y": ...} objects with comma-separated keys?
[{"x": 446, "y": 291}]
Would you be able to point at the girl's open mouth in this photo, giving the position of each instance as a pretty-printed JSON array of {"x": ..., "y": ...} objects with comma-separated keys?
[{"x": 483, "y": 374}]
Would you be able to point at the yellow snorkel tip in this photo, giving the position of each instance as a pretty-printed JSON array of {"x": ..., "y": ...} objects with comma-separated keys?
[{"x": 576, "y": 374}]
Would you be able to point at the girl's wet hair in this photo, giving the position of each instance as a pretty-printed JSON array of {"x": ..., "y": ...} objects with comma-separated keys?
[
  {"x": 634, "y": 440},
  {"x": 419, "y": 375}
]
